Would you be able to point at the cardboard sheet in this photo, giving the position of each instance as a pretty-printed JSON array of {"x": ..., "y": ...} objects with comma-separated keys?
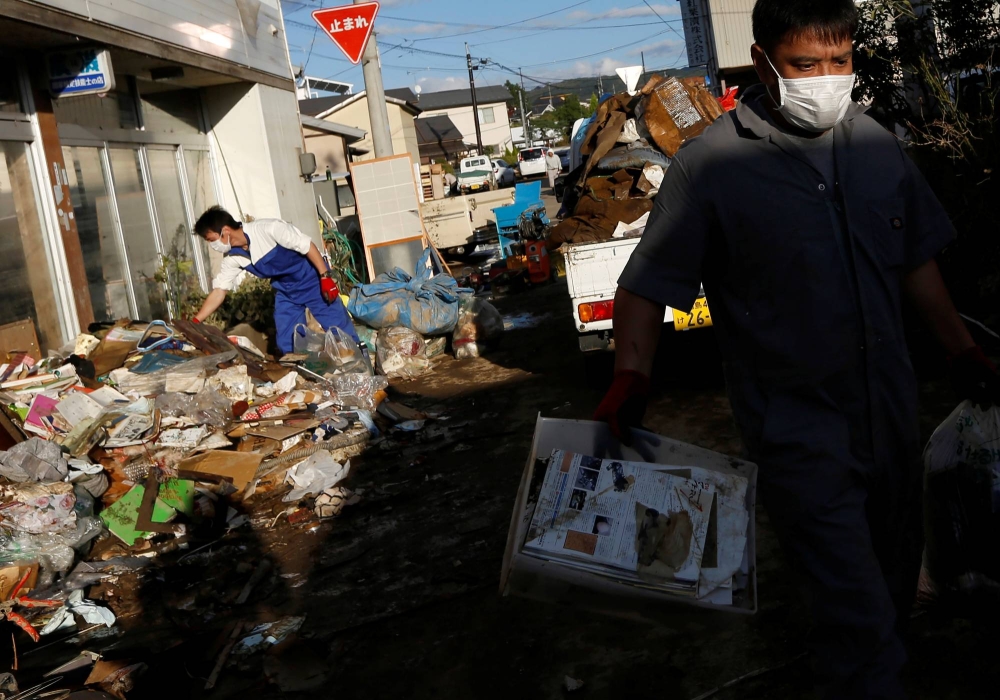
[{"x": 240, "y": 466}]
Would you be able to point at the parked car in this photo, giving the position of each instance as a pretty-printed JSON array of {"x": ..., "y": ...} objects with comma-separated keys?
[
  {"x": 476, "y": 174},
  {"x": 563, "y": 154},
  {"x": 505, "y": 174},
  {"x": 531, "y": 162}
]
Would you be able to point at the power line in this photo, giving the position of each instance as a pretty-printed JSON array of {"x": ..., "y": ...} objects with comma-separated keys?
[
  {"x": 386, "y": 65},
  {"x": 663, "y": 20},
  {"x": 597, "y": 53}
]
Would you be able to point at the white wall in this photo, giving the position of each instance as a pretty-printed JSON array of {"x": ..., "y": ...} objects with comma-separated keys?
[
  {"x": 257, "y": 139},
  {"x": 732, "y": 30},
  {"x": 496, "y": 134},
  {"x": 212, "y": 27},
  {"x": 284, "y": 139}
]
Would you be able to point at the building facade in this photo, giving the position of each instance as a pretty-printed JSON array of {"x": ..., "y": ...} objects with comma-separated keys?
[
  {"x": 96, "y": 190},
  {"x": 457, "y": 106},
  {"x": 352, "y": 111}
]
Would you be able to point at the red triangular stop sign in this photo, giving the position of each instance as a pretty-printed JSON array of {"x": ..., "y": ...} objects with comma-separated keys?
[{"x": 350, "y": 26}]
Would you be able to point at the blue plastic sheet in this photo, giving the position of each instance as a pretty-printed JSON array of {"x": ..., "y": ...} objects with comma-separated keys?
[{"x": 422, "y": 303}]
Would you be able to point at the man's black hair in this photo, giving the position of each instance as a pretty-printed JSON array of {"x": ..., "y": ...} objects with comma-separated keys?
[
  {"x": 831, "y": 21},
  {"x": 213, "y": 220}
]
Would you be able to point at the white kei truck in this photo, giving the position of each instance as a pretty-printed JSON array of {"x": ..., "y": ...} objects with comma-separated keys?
[{"x": 592, "y": 272}]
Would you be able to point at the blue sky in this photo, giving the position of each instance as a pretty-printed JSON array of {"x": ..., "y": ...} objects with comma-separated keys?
[{"x": 423, "y": 41}]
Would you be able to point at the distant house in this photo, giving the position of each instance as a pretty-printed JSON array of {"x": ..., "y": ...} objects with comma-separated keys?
[
  {"x": 457, "y": 106},
  {"x": 546, "y": 105},
  {"x": 439, "y": 138},
  {"x": 352, "y": 110}
]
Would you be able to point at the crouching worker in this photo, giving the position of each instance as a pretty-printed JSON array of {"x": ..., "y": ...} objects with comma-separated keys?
[{"x": 275, "y": 250}]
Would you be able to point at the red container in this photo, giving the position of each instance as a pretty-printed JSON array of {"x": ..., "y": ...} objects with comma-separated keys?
[{"x": 539, "y": 263}]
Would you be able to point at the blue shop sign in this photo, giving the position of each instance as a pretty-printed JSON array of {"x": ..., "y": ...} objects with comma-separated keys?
[{"x": 80, "y": 72}]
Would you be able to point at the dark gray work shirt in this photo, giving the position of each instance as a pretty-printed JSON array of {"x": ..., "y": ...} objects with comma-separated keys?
[{"x": 746, "y": 212}]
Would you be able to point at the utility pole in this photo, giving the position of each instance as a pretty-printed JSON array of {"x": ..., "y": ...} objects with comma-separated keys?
[
  {"x": 642, "y": 54},
  {"x": 378, "y": 113},
  {"x": 524, "y": 116},
  {"x": 475, "y": 102}
]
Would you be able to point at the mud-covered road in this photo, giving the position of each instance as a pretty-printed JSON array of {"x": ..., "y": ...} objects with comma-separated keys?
[{"x": 400, "y": 592}]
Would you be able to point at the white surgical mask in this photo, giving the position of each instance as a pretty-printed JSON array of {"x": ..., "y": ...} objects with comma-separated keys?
[
  {"x": 219, "y": 247},
  {"x": 814, "y": 104}
]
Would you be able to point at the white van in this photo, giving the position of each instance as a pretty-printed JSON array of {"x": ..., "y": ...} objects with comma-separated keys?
[{"x": 531, "y": 162}]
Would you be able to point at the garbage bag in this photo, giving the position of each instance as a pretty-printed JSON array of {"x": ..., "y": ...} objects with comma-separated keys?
[
  {"x": 400, "y": 353},
  {"x": 359, "y": 390},
  {"x": 33, "y": 460},
  {"x": 344, "y": 353},
  {"x": 962, "y": 498},
  {"x": 306, "y": 341},
  {"x": 479, "y": 326},
  {"x": 425, "y": 303}
]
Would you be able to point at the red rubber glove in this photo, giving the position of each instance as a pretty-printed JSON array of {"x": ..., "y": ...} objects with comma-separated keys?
[
  {"x": 975, "y": 377},
  {"x": 194, "y": 319},
  {"x": 328, "y": 287},
  {"x": 625, "y": 404}
]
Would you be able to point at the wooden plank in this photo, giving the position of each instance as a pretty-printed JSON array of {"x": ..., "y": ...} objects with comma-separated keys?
[
  {"x": 55, "y": 169},
  {"x": 20, "y": 336},
  {"x": 36, "y": 259}
]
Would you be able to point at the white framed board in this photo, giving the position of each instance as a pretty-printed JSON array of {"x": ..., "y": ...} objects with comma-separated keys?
[{"x": 388, "y": 208}]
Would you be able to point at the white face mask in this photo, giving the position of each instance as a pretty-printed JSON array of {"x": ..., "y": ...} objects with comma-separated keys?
[
  {"x": 814, "y": 104},
  {"x": 218, "y": 246}
]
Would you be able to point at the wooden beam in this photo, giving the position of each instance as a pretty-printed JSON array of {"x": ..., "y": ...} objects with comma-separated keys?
[{"x": 55, "y": 169}]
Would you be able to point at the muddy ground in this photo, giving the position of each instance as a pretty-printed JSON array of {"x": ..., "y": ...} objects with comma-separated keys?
[{"x": 400, "y": 593}]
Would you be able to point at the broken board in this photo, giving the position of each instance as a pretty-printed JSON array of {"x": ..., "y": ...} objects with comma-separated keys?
[{"x": 20, "y": 336}]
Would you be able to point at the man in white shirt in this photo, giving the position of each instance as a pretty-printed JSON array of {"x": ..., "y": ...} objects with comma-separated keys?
[
  {"x": 553, "y": 165},
  {"x": 276, "y": 250}
]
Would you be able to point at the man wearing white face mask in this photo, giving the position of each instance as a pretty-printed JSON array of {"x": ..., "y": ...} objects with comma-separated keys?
[
  {"x": 809, "y": 225},
  {"x": 274, "y": 250}
]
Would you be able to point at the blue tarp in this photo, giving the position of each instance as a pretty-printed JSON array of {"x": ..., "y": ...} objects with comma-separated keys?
[{"x": 425, "y": 304}]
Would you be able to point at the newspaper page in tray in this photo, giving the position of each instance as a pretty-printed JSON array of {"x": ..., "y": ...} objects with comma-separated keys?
[{"x": 622, "y": 519}]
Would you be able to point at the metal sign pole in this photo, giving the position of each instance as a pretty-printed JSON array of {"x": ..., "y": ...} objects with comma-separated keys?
[{"x": 378, "y": 113}]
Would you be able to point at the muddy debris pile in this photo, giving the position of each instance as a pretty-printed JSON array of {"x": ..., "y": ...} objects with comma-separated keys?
[
  {"x": 627, "y": 147},
  {"x": 140, "y": 444}
]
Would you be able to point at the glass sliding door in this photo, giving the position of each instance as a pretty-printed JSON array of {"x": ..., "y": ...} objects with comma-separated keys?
[
  {"x": 201, "y": 191},
  {"x": 26, "y": 276},
  {"x": 95, "y": 222},
  {"x": 175, "y": 235},
  {"x": 141, "y": 249}
]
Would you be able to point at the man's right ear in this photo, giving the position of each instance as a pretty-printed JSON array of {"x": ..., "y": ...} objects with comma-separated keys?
[{"x": 760, "y": 64}]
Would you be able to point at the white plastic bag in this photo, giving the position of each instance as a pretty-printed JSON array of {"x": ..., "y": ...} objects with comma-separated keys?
[
  {"x": 401, "y": 353},
  {"x": 314, "y": 475},
  {"x": 962, "y": 498}
]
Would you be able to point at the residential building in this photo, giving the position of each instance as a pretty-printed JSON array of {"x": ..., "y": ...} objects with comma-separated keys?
[
  {"x": 494, "y": 122},
  {"x": 440, "y": 139},
  {"x": 352, "y": 110},
  {"x": 546, "y": 104},
  {"x": 198, "y": 108}
]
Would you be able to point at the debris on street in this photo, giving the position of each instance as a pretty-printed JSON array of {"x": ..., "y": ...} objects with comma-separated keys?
[
  {"x": 627, "y": 147},
  {"x": 139, "y": 440}
]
